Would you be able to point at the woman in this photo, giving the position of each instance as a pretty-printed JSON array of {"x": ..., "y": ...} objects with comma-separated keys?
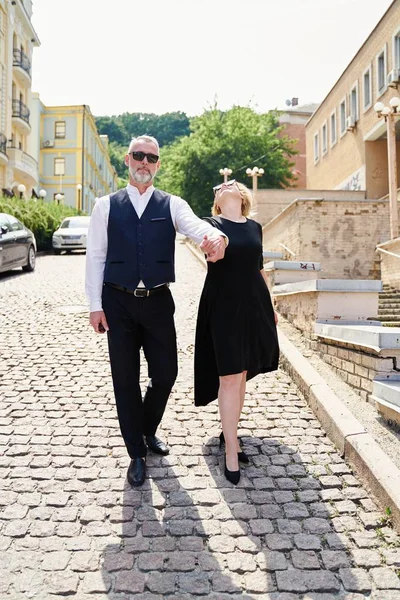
[{"x": 236, "y": 336}]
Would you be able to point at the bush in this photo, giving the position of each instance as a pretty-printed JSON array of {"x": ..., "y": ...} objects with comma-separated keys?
[{"x": 40, "y": 217}]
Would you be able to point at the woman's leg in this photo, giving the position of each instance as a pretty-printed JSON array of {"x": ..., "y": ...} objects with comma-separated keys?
[
  {"x": 242, "y": 391},
  {"x": 229, "y": 401}
]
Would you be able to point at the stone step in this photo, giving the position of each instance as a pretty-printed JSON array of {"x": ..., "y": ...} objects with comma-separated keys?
[
  {"x": 389, "y": 310},
  {"x": 387, "y": 393},
  {"x": 269, "y": 255},
  {"x": 390, "y": 323},
  {"x": 390, "y": 305},
  {"x": 389, "y": 317},
  {"x": 388, "y": 300},
  {"x": 389, "y": 295}
]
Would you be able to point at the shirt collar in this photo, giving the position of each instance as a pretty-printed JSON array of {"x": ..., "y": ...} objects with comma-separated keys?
[{"x": 134, "y": 192}]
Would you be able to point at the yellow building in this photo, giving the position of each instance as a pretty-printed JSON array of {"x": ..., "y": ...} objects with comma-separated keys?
[
  {"x": 73, "y": 157},
  {"x": 17, "y": 40},
  {"x": 345, "y": 140}
]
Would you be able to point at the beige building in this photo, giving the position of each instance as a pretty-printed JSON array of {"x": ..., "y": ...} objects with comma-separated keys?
[
  {"x": 345, "y": 140},
  {"x": 17, "y": 40}
]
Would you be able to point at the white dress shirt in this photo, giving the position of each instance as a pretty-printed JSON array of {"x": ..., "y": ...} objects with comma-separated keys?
[{"x": 183, "y": 218}]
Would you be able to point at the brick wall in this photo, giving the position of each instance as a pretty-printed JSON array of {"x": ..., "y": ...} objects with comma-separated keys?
[
  {"x": 341, "y": 235},
  {"x": 355, "y": 367},
  {"x": 269, "y": 203}
]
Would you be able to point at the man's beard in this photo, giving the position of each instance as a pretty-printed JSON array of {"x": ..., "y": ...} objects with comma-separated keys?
[{"x": 140, "y": 177}]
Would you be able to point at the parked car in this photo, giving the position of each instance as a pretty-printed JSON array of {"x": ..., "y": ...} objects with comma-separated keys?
[
  {"x": 71, "y": 235},
  {"x": 17, "y": 245}
]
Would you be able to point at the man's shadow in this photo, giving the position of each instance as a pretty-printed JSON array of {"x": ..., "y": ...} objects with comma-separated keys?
[{"x": 185, "y": 534}]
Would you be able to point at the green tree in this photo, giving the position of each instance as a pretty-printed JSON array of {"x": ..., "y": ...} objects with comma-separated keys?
[
  {"x": 122, "y": 128},
  {"x": 238, "y": 139}
]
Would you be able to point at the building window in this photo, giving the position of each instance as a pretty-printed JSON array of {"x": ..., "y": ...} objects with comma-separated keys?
[
  {"x": 343, "y": 111},
  {"x": 381, "y": 72},
  {"x": 59, "y": 129},
  {"x": 367, "y": 88},
  {"x": 324, "y": 138},
  {"x": 354, "y": 102},
  {"x": 396, "y": 50},
  {"x": 316, "y": 148},
  {"x": 333, "y": 129},
  {"x": 59, "y": 166}
]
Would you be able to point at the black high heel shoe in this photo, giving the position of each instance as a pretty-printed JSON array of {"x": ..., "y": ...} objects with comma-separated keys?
[
  {"x": 232, "y": 476},
  {"x": 242, "y": 456}
]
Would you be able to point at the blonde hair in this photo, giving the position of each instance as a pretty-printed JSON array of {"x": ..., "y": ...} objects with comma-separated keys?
[{"x": 247, "y": 201}]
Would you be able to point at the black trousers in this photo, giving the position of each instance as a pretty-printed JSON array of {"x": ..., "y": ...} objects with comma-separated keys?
[{"x": 136, "y": 323}]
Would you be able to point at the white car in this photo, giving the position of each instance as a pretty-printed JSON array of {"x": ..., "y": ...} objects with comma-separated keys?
[{"x": 71, "y": 235}]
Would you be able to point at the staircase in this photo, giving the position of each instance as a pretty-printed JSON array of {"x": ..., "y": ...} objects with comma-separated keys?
[{"x": 389, "y": 307}]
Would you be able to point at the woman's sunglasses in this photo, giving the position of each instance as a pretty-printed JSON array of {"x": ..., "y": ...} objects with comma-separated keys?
[
  {"x": 216, "y": 188},
  {"x": 139, "y": 156}
]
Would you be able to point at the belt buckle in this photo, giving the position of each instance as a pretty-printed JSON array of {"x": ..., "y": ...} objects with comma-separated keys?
[{"x": 138, "y": 293}]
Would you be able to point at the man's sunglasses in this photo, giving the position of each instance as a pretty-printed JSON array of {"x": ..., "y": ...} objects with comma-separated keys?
[
  {"x": 216, "y": 188},
  {"x": 139, "y": 156}
]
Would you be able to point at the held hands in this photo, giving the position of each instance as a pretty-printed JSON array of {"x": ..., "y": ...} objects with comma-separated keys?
[
  {"x": 214, "y": 248},
  {"x": 98, "y": 321}
]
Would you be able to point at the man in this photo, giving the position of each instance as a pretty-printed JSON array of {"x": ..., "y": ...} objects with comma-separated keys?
[{"x": 129, "y": 265}]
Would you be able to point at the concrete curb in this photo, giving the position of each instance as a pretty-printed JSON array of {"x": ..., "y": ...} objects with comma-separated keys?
[{"x": 358, "y": 447}]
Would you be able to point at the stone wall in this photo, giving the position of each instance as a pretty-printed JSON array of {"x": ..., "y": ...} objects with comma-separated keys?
[
  {"x": 340, "y": 234},
  {"x": 355, "y": 367}
]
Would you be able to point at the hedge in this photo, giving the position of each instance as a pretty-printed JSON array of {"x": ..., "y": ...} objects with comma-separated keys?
[{"x": 43, "y": 218}]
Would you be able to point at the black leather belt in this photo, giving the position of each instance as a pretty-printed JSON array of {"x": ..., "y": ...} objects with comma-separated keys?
[{"x": 139, "y": 292}]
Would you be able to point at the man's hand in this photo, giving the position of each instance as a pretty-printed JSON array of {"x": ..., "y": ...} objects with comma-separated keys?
[
  {"x": 98, "y": 321},
  {"x": 276, "y": 317},
  {"x": 214, "y": 248}
]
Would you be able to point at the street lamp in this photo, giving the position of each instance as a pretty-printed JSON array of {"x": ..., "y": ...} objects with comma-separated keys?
[
  {"x": 79, "y": 189},
  {"x": 22, "y": 189},
  {"x": 389, "y": 113},
  {"x": 59, "y": 198},
  {"x": 255, "y": 172},
  {"x": 226, "y": 173},
  {"x": 42, "y": 194}
]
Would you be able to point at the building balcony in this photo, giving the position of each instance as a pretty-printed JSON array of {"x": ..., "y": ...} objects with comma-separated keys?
[
  {"x": 21, "y": 68},
  {"x": 24, "y": 165},
  {"x": 20, "y": 116},
  {"x": 3, "y": 150}
]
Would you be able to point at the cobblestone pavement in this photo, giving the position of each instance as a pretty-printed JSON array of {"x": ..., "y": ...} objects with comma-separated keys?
[{"x": 298, "y": 527}]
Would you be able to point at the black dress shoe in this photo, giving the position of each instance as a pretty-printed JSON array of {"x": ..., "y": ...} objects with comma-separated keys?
[
  {"x": 137, "y": 471},
  {"x": 156, "y": 445},
  {"x": 242, "y": 456},
  {"x": 232, "y": 476}
]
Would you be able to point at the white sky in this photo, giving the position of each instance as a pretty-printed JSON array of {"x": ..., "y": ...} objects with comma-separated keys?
[{"x": 167, "y": 55}]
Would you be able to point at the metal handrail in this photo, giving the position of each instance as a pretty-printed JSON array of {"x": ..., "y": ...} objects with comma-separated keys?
[
  {"x": 19, "y": 109},
  {"x": 20, "y": 59},
  {"x": 387, "y": 252},
  {"x": 287, "y": 249}
]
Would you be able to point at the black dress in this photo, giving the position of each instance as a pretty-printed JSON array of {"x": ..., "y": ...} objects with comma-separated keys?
[{"x": 236, "y": 329}]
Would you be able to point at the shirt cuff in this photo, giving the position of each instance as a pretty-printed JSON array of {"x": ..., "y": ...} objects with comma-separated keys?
[{"x": 95, "y": 305}]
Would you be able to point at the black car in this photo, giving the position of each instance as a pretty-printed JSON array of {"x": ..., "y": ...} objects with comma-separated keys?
[{"x": 17, "y": 245}]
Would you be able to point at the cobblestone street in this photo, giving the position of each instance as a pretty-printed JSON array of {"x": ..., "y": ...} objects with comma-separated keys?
[{"x": 298, "y": 527}]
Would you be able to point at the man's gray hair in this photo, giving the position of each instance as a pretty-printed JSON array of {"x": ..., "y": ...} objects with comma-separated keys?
[{"x": 146, "y": 138}]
